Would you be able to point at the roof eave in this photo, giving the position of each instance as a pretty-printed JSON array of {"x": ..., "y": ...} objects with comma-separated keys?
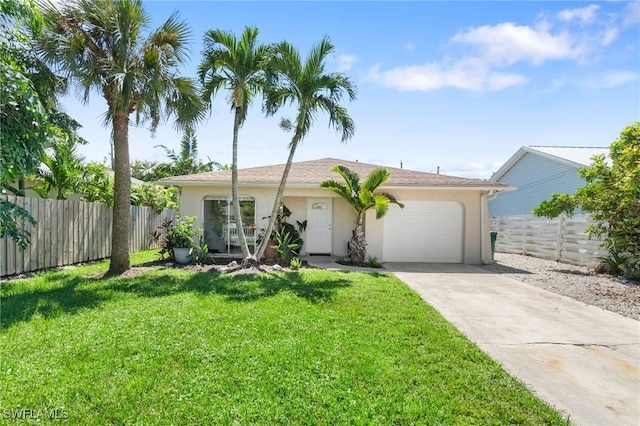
[
  {"x": 495, "y": 188},
  {"x": 531, "y": 150}
]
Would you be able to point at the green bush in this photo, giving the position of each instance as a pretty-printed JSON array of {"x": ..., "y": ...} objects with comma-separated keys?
[
  {"x": 181, "y": 234},
  {"x": 287, "y": 245},
  {"x": 295, "y": 264},
  {"x": 373, "y": 262}
]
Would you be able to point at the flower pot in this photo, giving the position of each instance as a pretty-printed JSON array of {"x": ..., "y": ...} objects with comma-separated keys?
[
  {"x": 182, "y": 254},
  {"x": 270, "y": 253}
]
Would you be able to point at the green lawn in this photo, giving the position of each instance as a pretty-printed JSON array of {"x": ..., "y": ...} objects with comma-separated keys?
[{"x": 310, "y": 347}]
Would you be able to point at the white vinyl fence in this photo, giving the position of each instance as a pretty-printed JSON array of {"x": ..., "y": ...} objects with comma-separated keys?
[
  {"x": 71, "y": 232},
  {"x": 563, "y": 239}
]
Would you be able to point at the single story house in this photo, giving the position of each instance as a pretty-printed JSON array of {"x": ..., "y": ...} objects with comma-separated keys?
[
  {"x": 537, "y": 172},
  {"x": 445, "y": 218}
]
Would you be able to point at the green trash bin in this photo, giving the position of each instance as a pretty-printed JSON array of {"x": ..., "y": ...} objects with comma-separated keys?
[{"x": 494, "y": 237}]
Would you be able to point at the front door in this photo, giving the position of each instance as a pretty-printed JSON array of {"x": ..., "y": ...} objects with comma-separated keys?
[{"x": 319, "y": 237}]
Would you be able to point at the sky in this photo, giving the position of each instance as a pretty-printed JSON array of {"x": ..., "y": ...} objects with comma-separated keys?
[{"x": 452, "y": 86}]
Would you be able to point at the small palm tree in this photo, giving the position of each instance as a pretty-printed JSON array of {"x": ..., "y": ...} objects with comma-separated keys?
[
  {"x": 101, "y": 46},
  {"x": 313, "y": 90},
  {"x": 361, "y": 197},
  {"x": 63, "y": 171},
  {"x": 236, "y": 65},
  {"x": 186, "y": 162}
]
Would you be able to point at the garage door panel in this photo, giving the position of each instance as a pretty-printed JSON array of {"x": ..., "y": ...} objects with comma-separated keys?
[{"x": 424, "y": 231}]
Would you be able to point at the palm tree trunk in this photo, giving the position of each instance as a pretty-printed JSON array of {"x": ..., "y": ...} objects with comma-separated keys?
[
  {"x": 276, "y": 203},
  {"x": 234, "y": 186},
  {"x": 122, "y": 197},
  {"x": 358, "y": 243}
]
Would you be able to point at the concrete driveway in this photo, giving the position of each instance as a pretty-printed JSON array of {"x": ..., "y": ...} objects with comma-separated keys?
[{"x": 581, "y": 359}]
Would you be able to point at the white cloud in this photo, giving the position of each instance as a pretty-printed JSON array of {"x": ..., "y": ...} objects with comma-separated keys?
[
  {"x": 467, "y": 75},
  {"x": 618, "y": 78},
  {"x": 586, "y": 14},
  {"x": 608, "y": 36},
  {"x": 632, "y": 14},
  {"x": 345, "y": 62},
  {"x": 480, "y": 57},
  {"x": 480, "y": 69},
  {"x": 507, "y": 43},
  {"x": 607, "y": 80}
]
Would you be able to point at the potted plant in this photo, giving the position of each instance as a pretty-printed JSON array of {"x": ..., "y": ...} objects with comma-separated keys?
[
  {"x": 282, "y": 236},
  {"x": 180, "y": 238}
]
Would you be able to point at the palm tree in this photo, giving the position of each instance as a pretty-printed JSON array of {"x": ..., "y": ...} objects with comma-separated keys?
[
  {"x": 96, "y": 184},
  {"x": 186, "y": 161},
  {"x": 100, "y": 45},
  {"x": 236, "y": 65},
  {"x": 313, "y": 91},
  {"x": 361, "y": 197},
  {"x": 63, "y": 171}
]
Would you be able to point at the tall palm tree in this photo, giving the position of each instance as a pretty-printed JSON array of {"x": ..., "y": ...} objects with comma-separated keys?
[
  {"x": 100, "y": 45},
  {"x": 312, "y": 90},
  {"x": 236, "y": 65},
  {"x": 361, "y": 197}
]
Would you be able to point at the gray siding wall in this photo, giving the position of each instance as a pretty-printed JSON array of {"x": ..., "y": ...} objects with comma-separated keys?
[{"x": 536, "y": 179}]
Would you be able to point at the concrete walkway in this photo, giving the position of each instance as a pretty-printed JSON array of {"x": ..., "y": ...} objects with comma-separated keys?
[{"x": 581, "y": 359}]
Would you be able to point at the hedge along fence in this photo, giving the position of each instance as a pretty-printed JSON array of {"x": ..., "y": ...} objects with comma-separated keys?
[
  {"x": 71, "y": 232},
  {"x": 563, "y": 239}
]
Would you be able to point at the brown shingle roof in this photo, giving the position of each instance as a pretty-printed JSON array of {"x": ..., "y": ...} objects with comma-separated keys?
[{"x": 311, "y": 173}]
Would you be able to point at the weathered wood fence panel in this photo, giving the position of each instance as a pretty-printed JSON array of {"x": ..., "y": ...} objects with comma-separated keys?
[
  {"x": 563, "y": 239},
  {"x": 71, "y": 232}
]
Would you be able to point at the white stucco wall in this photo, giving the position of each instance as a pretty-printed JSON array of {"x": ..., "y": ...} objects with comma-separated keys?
[
  {"x": 344, "y": 218},
  {"x": 471, "y": 207}
]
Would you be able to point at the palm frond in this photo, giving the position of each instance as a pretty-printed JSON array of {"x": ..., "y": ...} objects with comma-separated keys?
[
  {"x": 351, "y": 178},
  {"x": 234, "y": 64},
  {"x": 375, "y": 179},
  {"x": 381, "y": 205},
  {"x": 392, "y": 199},
  {"x": 339, "y": 188},
  {"x": 362, "y": 197},
  {"x": 310, "y": 87}
]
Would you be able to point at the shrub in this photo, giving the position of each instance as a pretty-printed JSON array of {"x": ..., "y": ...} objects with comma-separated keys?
[
  {"x": 373, "y": 262},
  {"x": 287, "y": 246},
  {"x": 181, "y": 235},
  {"x": 295, "y": 264}
]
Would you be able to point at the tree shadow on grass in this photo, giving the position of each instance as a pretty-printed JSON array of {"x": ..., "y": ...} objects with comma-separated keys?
[
  {"x": 235, "y": 288},
  {"x": 77, "y": 293},
  {"x": 50, "y": 303}
]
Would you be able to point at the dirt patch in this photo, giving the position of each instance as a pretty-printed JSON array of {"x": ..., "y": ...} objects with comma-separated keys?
[{"x": 225, "y": 266}]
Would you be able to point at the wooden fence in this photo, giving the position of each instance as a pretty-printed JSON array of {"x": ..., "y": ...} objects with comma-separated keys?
[
  {"x": 563, "y": 239},
  {"x": 71, "y": 232}
]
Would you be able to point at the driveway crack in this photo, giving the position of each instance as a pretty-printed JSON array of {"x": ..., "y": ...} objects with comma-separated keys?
[{"x": 582, "y": 345}]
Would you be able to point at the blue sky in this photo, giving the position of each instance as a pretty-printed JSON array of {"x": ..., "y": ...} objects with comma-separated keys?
[{"x": 458, "y": 86}]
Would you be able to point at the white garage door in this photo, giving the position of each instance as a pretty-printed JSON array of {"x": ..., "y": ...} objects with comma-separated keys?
[{"x": 424, "y": 231}]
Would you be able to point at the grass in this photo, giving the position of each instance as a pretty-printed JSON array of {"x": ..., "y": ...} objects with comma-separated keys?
[{"x": 306, "y": 347}]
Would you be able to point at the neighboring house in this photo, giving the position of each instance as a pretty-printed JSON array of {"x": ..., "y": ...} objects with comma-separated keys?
[
  {"x": 445, "y": 218},
  {"x": 537, "y": 172},
  {"x": 31, "y": 183}
]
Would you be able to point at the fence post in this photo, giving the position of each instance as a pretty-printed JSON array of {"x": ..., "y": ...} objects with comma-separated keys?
[
  {"x": 524, "y": 235},
  {"x": 560, "y": 236}
]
